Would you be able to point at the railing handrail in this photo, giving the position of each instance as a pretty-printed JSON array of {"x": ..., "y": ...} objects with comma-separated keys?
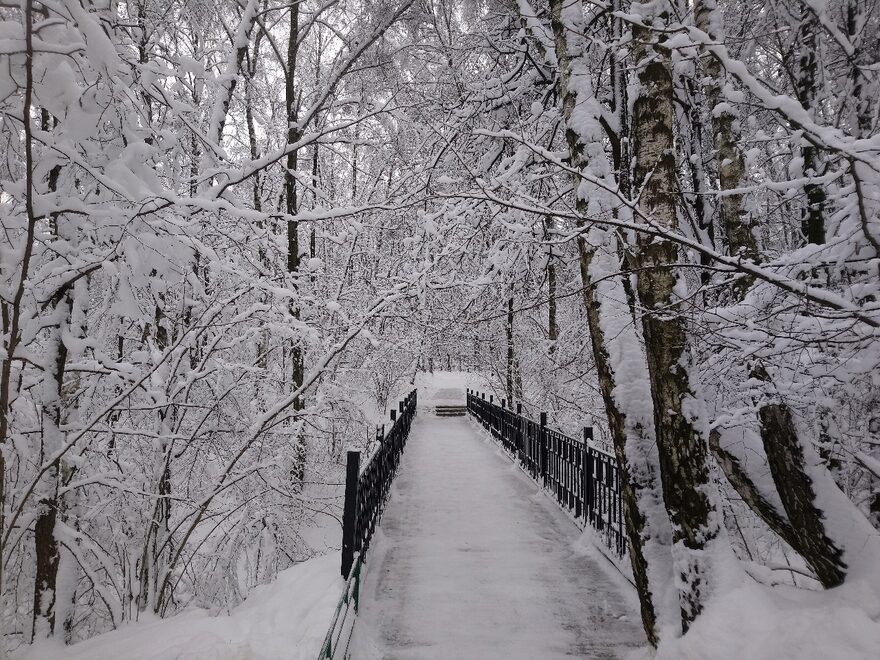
[
  {"x": 350, "y": 594},
  {"x": 580, "y": 441},
  {"x": 584, "y": 478},
  {"x": 381, "y": 435},
  {"x": 366, "y": 491}
]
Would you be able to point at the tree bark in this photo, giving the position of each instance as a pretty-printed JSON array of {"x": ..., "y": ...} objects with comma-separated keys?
[
  {"x": 813, "y": 214},
  {"x": 639, "y": 473},
  {"x": 727, "y": 137},
  {"x": 552, "y": 324},
  {"x": 46, "y": 575},
  {"x": 785, "y": 456},
  {"x": 739, "y": 478},
  {"x": 297, "y": 366},
  {"x": 682, "y": 448}
]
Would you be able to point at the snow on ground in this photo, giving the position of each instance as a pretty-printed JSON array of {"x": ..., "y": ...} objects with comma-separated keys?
[
  {"x": 473, "y": 562},
  {"x": 761, "y": 623},
  {"x": 286, "y": 619},
  {"x": 445, "y": 388}
]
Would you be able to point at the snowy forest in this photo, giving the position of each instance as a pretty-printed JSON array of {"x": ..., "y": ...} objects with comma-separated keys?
[{"x": 233, "y": 232}]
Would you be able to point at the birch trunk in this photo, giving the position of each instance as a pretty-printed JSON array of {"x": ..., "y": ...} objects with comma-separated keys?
[
  {"x": 727, "y": 136},
  {"x": 682, "y": 447},
  {"x": 631, "y": 433}
]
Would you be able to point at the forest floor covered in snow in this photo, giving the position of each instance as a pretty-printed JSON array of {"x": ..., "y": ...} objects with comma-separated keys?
[{"x": 287, "y": 619}]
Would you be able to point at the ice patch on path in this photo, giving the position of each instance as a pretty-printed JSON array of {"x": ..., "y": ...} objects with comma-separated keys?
[{"x": 286, "y": 618}]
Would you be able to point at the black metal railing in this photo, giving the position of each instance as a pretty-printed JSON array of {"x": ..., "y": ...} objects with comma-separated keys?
[
  {"x": 367, "y": 488},
  {"x": 366, "y": 491},
  {"x": 583, "y": 478},
  {"x": 338, "y": 638}
]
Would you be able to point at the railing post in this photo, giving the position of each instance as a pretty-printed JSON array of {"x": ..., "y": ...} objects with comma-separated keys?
[
  {"x": 520, "y": 433},
  {"x": 542, "y": 443},
  {"x": 349, "y": 512},
  {"x": 588, "y": 474},
  {"x": 589, "y": 502}
]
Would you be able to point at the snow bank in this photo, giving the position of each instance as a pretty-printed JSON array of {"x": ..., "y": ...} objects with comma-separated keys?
[
  {"x": 286, "y": 618},
  {"x": 760, "y": 623}
]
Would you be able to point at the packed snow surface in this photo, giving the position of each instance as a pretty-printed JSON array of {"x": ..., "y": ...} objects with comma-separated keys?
[
  {"x": 472, "y": 562},
  {"x": 286, "y": 619}
]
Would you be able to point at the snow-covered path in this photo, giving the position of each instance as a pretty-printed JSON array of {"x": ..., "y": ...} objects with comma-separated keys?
[{"x": 471, "y": 562}]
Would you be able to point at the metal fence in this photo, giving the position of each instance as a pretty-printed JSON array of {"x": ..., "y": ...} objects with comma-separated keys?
[
  {"x": 366, "y": 491},
  {"x": 584, "y": 479},
  {"x": 338, "y": 638}
]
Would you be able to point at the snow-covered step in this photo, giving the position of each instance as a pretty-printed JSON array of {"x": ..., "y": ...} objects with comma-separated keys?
[{"x": 450, "y": 410}]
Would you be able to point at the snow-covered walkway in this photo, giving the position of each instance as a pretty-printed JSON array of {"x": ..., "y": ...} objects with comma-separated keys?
[{"x": 471, "y": 562}]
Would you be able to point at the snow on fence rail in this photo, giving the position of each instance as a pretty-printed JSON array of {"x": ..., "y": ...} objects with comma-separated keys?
[
  {"x": 583, "y": 478},
  {"x": 366, "y": 491}
]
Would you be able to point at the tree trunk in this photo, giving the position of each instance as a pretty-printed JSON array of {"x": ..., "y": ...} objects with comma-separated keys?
[
  {"x": 727, "y": 136},
  {"x": 552, "y": 324},
  {"x": 682, "y": 448},
  {"x": 508, "y": 328},
  {"x": 46, "y": 546},
  {"x": 46, "y": 575},
  {"x": 813, "y": 214},
  {"x": 637, "y": 460},
  {"x": 297, "y": 367},
  {"x": 785, "y": 456}
]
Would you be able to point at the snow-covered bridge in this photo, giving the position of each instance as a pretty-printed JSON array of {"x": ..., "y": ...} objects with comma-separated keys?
[{"x": 472, "y": 560}]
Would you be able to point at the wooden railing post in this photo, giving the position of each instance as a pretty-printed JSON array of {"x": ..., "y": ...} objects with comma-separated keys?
[{"x": 349, "y": 512}]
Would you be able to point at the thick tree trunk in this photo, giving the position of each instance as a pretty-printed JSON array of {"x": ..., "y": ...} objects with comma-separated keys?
[
  {"x": 682, "y": 448},
  {"x": 639, "y": 471},
  {"x": 800, "y": 525},
  {"x": 46, "y": 545},
  {"x": 786, "y": 459}
]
